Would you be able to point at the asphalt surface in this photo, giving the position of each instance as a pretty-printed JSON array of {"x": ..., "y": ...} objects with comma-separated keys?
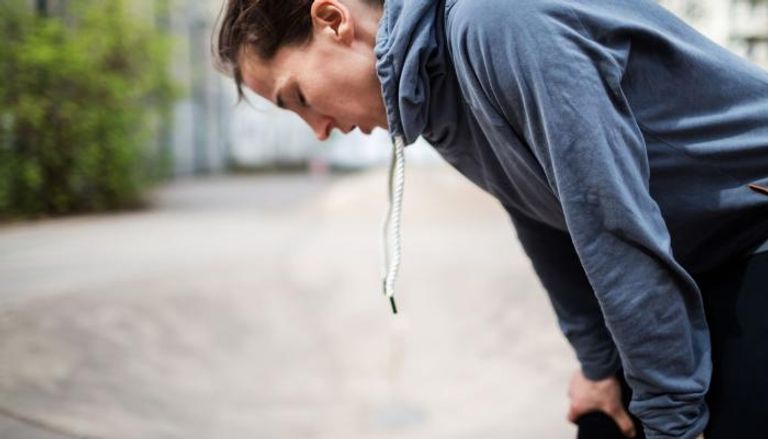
[{"x": 249, "y": 307}]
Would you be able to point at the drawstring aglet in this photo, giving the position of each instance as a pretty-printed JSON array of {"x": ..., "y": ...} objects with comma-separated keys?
[{"x": 391, "y": 298}]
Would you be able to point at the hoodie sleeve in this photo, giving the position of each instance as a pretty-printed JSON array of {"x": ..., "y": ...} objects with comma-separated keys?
[
  {"x": 578, "y": 313},
  {"x": 543, "y": 73}
]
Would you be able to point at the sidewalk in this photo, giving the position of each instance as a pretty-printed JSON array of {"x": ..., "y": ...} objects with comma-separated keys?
[{"x": 249, "y": 307}]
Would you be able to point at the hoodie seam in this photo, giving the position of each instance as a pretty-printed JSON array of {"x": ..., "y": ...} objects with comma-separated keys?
[{"x": 682, "y": 151}]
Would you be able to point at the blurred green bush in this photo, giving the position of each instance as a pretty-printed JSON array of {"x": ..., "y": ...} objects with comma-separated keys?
[{"x": 83, "y": 102}]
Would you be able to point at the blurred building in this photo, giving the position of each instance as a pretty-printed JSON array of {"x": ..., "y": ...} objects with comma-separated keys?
[
  {"x": 740, "y": 25},
  {"x": 200, "y": 139}
]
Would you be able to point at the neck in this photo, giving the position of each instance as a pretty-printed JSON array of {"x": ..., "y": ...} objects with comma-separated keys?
[{"x": 367, "y": 19}]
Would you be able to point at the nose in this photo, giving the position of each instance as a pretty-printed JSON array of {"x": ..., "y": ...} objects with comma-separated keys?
[{"x": 321, "y": 125}]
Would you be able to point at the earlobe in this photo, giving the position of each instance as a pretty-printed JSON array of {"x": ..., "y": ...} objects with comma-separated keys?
[{"x": 332, "y": 16}]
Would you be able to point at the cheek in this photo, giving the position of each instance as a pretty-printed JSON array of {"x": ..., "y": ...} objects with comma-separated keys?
[
  {"x": 337, "y": 98},
  {"x": 348, "y": 92},
  {"x": 362, "y": 92}
]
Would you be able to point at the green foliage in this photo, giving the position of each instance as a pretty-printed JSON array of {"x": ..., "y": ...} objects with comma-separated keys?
[{"x": 82, "y": 100}]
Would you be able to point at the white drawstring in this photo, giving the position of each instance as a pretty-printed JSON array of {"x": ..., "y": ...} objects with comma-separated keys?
[{"x": 392, "y": 220}]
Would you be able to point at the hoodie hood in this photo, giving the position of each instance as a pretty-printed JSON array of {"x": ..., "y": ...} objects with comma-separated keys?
[{"x": 411, "y": 63}]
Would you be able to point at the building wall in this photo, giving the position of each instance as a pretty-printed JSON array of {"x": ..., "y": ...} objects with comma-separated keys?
[
  {"x": 200, "y": 137},
  {"x": 740, "y": 25}
]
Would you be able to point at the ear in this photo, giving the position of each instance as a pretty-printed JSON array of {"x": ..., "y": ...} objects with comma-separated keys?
[{"x": 333, "y": 18}]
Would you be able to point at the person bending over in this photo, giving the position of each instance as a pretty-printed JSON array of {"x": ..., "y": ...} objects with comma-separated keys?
[{"x": 630, "y": 152}]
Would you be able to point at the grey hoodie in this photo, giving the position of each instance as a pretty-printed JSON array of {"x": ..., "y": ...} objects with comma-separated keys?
[{"x": 621, "y": 142}]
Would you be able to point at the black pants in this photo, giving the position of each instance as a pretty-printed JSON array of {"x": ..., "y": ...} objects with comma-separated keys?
[{"x": 736, "y": 305}]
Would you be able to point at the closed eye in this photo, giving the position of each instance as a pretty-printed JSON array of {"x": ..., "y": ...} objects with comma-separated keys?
[{"x": 302, "y": 99}]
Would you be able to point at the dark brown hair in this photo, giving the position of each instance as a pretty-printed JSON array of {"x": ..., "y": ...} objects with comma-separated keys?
[{"x": 263, "y": 27}]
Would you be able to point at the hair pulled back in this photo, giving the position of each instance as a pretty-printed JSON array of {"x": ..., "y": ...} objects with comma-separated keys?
[{"x": 261, "y": 27}]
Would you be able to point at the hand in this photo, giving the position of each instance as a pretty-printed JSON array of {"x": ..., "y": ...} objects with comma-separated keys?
[{"x": 603, "y": 395}]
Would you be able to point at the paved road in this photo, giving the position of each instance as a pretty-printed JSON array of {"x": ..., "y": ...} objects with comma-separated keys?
[{"x": 248, "y": 307}]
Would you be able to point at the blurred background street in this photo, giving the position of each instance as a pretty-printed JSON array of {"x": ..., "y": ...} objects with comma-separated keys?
[{"x": 250, "y": 307}]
